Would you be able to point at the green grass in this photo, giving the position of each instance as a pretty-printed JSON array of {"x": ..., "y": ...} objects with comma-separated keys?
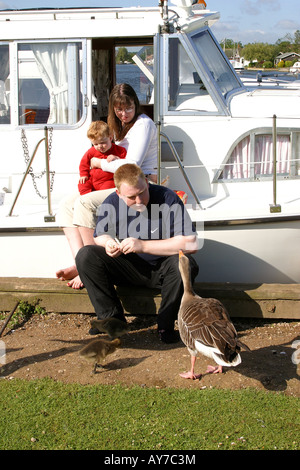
[{"x": 46, "y": 415}]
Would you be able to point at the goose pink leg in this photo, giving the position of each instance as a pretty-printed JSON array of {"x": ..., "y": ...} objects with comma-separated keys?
[
  {"x": 191, "y": 374},
  {"x": 214, "y": 370}
]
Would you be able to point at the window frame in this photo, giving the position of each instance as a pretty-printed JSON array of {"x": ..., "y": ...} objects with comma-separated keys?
[
  {"x": 7, "y": 44},
  {"x": 14, "y": 83},
  {"x": 221, "y": 102},
  {"x": 224, "y": 97},
  {"x": 294, "y": 173}
]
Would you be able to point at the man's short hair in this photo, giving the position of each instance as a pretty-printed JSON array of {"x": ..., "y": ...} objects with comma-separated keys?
[{"x": 129, "y": 174}]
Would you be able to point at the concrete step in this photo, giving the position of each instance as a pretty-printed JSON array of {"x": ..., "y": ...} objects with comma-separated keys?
[{"x": 242, "y": 300}]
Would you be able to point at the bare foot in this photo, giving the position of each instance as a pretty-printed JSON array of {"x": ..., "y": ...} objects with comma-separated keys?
[
  {"x": 67, "y": 274},
  {"x": 75, "y": 283}
]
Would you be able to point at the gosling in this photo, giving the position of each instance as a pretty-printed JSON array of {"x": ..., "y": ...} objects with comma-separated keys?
[
  {"x": 112, "y": 326},
  {"x": 97, "y": 350}
]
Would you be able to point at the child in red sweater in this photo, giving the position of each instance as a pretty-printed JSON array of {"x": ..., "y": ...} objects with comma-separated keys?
[{"x": 102, "y": 147}]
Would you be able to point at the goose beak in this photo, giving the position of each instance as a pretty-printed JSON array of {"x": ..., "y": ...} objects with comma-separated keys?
[{"x": 181, "y": 253}]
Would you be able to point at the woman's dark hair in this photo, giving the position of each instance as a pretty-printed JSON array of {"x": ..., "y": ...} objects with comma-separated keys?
[{"x": 122, "y": 95}]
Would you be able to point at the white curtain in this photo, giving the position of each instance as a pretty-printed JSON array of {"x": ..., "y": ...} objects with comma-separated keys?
[
  {"x": 264, "y": 154},
  {"x": 4, "y": 71},
  {"x": 52, "y": 63},
  {"x": 238, "y": 166}
]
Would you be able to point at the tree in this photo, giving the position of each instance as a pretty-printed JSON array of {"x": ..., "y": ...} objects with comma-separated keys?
[
  {"x": 297, "y": 37},
  {"x": 263, "y": 52},
  {"x": 123, "y": 55},
  {"x": 297, "y": 41},
  {"x": 284, "y": 45},
  {"x": 259, "y": 51},
  {"x": 230, "y": 47}
]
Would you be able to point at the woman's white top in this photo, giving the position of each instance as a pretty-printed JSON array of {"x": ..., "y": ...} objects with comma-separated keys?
[{"x": 141, "y": 145}]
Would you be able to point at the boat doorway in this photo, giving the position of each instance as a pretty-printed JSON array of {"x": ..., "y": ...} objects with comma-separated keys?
[{"x": 129, "y": 61}]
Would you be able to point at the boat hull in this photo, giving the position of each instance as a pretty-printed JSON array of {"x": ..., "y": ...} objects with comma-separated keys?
[{"x": 253, "y": 251}]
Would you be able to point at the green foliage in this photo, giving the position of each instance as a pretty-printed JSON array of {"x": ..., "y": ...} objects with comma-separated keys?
[
  {"x": 23, "y": 313},
  {"x": 47, "y": 415},
  {"x": 123, "y": 55},
  {"x": 264, "y": 52},
  {"x": 259, "y": 51},
  {"x": 268, "y": 65},
  {"x": 288, "y": 63},
  {"x": 230, "y": 44},
  {"x": 297, "y": 38}
]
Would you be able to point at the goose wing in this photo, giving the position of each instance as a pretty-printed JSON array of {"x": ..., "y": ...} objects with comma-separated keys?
[{"x": 206, "y": 321}]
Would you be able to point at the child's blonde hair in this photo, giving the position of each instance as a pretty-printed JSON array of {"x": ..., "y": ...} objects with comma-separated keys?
[{"x": 98, "y": 130}]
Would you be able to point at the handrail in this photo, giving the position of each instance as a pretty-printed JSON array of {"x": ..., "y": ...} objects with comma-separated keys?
[
  {"x": 50, "y": 217},
  {"x": 176, "y": 156},
  {"x": 275, "y": 207}
]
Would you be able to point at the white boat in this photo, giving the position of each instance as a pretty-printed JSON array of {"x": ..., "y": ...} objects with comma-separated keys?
[
  {"x": 295, "y": 68},
  {"x": 237, "y": 64},
  {"x": 54, "y": 62}
]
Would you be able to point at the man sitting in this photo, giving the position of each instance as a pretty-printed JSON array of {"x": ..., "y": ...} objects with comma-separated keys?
[{"x": 140, "y": 229}]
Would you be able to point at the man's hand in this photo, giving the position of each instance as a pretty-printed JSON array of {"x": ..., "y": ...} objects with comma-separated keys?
[
  {"x": 112, "y": 248},
  {"x": 131, "y": 245}
]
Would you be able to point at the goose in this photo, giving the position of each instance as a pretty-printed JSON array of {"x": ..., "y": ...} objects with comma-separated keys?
[
  {"x": 97, "y": 350},
  {"x": 205, "y": 327},
  {"x": 112, "y": 326}
]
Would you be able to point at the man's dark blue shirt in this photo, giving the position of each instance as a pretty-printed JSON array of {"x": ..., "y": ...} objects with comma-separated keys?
[{"x": 165, "y": 217}]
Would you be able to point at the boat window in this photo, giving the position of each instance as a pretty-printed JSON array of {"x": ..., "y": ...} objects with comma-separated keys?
[
  {"x": 252, "y": 158},
  {"x": 49, "y": 83},
  {"x": 134, "y": 65},
  {"x": 295, "y": 163},
  {"x": 211, "y": 55},
  {"x": 4, "y": 85},
  {"x": 186, "y": 89}
]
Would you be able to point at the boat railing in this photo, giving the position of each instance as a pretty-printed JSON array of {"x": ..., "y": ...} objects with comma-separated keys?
[
  {"x": 50, "y": 217},
  {"x": 275, "y": 207},
  {"x": 181, "y": 167}
]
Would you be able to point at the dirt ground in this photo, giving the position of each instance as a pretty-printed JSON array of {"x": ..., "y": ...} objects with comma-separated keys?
[{"x": 48, "y": 346}]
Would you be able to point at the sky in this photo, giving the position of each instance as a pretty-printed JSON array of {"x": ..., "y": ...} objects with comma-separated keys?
[{"x": 244, "y": 21}]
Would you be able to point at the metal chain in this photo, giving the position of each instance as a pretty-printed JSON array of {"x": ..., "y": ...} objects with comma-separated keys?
[{"x": 27, "y": 159}]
